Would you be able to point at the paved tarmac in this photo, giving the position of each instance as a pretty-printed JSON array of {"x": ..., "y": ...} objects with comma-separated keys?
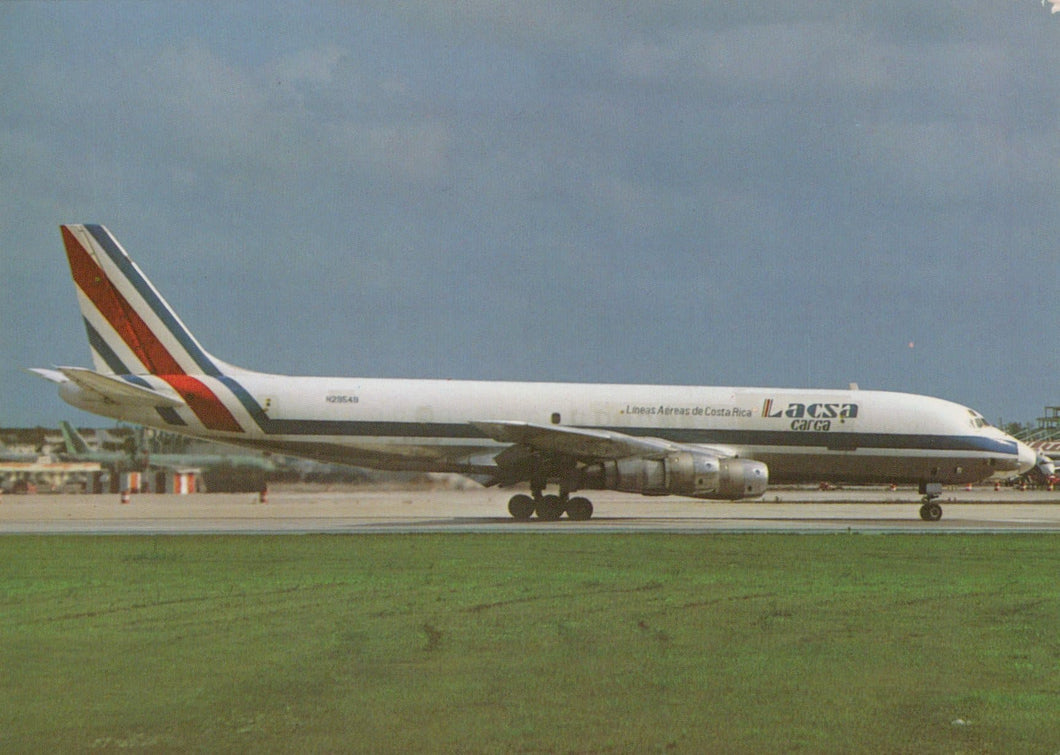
[{"x": 370, "y": 510}]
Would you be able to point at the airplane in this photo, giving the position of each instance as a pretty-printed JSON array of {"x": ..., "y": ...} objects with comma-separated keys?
[
  {"x": 19, "y": 456},
  {"x": 77, "y": 449},
  {"x": 714, "y": 443},
  {"x": 1044, "y": 469}
]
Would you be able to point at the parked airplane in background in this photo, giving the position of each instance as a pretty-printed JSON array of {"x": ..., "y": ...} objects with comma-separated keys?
[
  {"x": 20, "y": 456},
  {"x": 77, "y": 449},
  {"x": 1045, "y": 463},
  {"x": 703, "y": 442}
]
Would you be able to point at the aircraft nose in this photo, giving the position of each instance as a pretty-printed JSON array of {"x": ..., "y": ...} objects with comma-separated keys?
[{"x": 1027, "y": 456}]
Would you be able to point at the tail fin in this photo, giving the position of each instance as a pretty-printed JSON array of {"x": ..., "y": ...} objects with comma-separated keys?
[
  {"x": 75, "y": 444},
  {"x": 131, "y": 329}
]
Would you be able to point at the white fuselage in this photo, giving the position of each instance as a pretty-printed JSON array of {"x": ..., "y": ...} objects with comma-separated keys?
[{"x": 802, "y": 435}]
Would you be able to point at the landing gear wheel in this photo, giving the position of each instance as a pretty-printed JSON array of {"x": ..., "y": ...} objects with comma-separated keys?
[
  {"x": 549, "y": 508},
  {"x": 521, "y": 507},
  {"x": 579, "y": 509},
  {"x": 931, "y": 512}
]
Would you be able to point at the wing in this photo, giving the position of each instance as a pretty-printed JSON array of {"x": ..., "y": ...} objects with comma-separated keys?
[
  {"x": 607, "y": 459},
  {"x": 561, "y": 446},
  {"x": 578, "y": 443},
  {"x": 584, "y": 444}
]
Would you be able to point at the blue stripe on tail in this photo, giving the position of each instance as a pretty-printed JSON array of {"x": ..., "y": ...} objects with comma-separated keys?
[{"x": 154, "y": 301}]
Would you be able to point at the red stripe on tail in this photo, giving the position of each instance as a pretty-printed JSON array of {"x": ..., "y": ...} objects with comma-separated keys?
[
  {"x": 136, "y": 334},
  {"x": 139, "y": 337},
  {"x": 204, "y": 402}
]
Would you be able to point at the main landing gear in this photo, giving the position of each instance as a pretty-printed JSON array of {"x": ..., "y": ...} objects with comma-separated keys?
[{"x": 549, "y": 508}]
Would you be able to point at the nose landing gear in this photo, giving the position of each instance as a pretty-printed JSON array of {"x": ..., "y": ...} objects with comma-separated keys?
[{"x": 931, "y": 511}]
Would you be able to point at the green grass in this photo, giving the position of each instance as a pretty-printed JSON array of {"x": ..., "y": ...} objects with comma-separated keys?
[{"x": 531, "y": 643}]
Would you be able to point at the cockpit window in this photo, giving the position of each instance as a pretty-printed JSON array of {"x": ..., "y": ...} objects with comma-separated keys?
[{"x": 977, "y": 420}]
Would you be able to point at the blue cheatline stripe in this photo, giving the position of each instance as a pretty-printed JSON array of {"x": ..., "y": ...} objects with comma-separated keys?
[
  {"x": 462, "y": 431},
  {"x": 838, "y": 440},
  {"x": 154, "y": 301},
  {"x": 100, "y": 346}
]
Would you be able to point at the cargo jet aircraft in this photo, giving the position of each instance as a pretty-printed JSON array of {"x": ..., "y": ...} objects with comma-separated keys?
[{"x": 702, "y": 442}]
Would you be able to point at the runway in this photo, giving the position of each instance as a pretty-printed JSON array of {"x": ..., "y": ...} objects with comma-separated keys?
[{"x": 867, "y": 510}]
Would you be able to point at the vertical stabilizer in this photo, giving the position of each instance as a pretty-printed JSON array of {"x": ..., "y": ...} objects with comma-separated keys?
[
  {"x": 131, "y": 329},
  {"x": 134, "y": 333},
  {"x": 73, "y": 440}
]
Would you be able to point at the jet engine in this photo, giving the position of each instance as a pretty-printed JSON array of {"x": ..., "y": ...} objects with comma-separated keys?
[{"x": 687, "y": 473}]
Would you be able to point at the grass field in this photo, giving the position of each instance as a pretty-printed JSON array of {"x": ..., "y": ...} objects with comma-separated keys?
[{"x": 531, "y": 643}]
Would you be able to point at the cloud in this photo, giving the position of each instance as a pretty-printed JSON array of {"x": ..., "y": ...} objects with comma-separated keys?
[
  {"x": 313, "y": 66},
  {"x": 680, "y": 192},
  {"x": 192, "y": 109}
]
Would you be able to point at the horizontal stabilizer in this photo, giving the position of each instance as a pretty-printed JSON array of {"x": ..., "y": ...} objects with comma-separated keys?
[
  {"x": 53, "y": 375},
  {"x": 113, "y": 389}
]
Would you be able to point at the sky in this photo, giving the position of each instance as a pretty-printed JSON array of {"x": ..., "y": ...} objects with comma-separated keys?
[{"x": 797, "y": 194}]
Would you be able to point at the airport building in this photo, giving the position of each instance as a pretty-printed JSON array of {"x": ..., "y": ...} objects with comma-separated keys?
[
  {"x": 116, "y": 459},
  {"x": 51, "y": 476},
  {"x": 1050, "y": 423}
]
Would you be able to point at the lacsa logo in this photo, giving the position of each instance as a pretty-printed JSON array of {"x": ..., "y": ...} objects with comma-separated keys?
[{"x": 815, "y": 411}]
